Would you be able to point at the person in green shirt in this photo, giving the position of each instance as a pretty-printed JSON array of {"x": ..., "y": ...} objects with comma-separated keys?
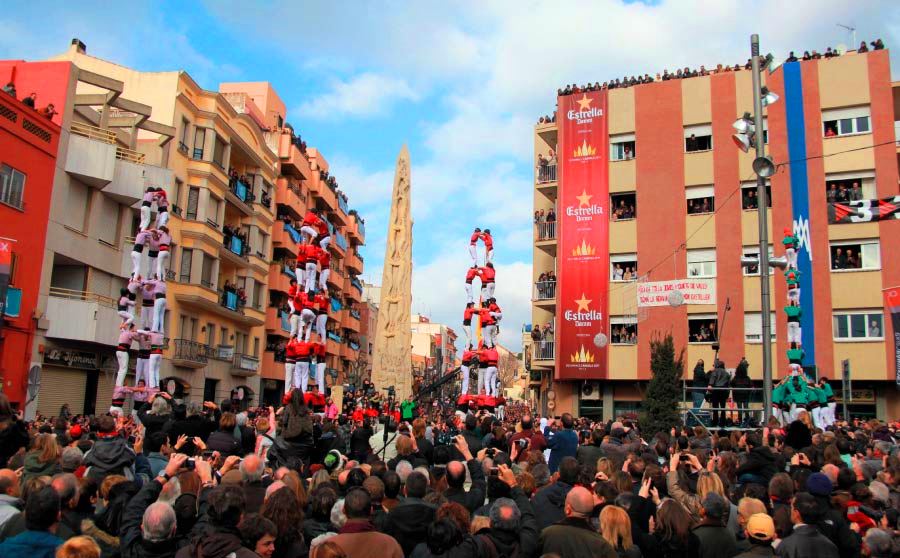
[
  {"x": 795, "y": 354},
  {"x": 831, "y": 404},
  {"x": 791, "y": 244},
  {"x": 778, "y": 403},
  {"x": 794, "y": 312},
  {"x": 793, "y": 285},
  {"x": 407, "y": 409}
]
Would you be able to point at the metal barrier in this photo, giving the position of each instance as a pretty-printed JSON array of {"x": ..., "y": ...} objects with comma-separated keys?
[
  {"x": 545, "y": 231},
  {"x": 735, "y": 418},
  {"x": 543, "y": 350},
  {"x": 92, "y": 132},
  {"x": 190, "y": 351},
  {"x": 545, "y": 290},
  {"x": 130, "y": 155},
  {"x": 83, "y": 295},
  {"x": 546, "y": 173}
]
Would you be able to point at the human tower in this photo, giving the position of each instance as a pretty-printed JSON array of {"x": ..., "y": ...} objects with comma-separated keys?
[
  {"x": 796, "y": 391},
  {"x": 149, "y": 332},
  {"x": 485, "y": 315}
]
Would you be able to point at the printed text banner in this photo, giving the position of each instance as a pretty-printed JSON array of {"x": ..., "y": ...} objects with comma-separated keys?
[{"x": 693, "y": 291}]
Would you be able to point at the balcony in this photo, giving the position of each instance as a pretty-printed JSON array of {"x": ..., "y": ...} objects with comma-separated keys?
[
  {"x": 82, "y": 316},
  {"x": 293, "y": 161},
  {"x": 335, "y": 279},
  {"x": 205, "y": 297},
  {"x": 545, "y": 174},
  {"x": 244, "y": 365},
  {"x": 348, "y": 352},
  {"x": 535, "y": 377},
  {"x": 12, "y": 306},
  {"x": 544, "y": 231},
  {"x": 286, "y": 237},
  {"x": 243, "y": 104},
  {"x": 543, "y": 353},
  {"x": 235, "y": 251},
  {"x": 280, "y": 276},
  {"x": 240, "y": 195},
  {"x": 91, "y": 154},
  {"x": 321, "y": 190},
  {"x": 132, "y": 177},
  {"x": 352, "y": 320},
  {"x": 289, "y": 196},
  {"x": 353, "y": 262},
  {"x": 190, "y": 354},
  {"x": 545, "y": 294},
  {"x": 277, "y": 322},
  {"x": 271, "y": 368}
]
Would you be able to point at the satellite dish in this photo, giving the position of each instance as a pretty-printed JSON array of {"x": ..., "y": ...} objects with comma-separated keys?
[
  {"x": 34, "y": 383},
  {"x": 841, "y": 49},
  {"x": 676, "y": 298},
  {"x": 600, "y": 340}
]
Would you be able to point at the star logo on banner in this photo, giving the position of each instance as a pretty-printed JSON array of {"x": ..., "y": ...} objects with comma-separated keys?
[
  {"x": 584, "y": 103},
  {"x": 584, "y": 304},
  {"x": 584, "y": 200}
]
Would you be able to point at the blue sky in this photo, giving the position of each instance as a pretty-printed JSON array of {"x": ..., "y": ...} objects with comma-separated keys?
[{"x": 461, "y": 83}]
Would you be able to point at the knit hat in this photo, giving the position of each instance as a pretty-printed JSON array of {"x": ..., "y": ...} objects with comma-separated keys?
[
  {"x": 818, "y": 485},
  {"x": 332, "y": 460},
  {"x": 760, "y": 526}
]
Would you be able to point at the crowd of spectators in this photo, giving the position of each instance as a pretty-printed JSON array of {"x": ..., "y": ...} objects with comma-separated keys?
[
  {"x": 305, "y": 479},
  {"x": 546, "y": 284},
  {"x": 546, "y": 166},
  {"x": 623, "y": 272},
  {"x": 623, "y": 211},
  {"x": 229, "y": 232},
  {"x": 623, "y": 335},
  {"x": 845, "y": 258},
  {"x": 30, "y": 101},
  {"x": 843, "y": 194}
]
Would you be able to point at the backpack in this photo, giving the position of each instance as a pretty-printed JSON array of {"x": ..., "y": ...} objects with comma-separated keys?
[{"x": 488, "y": 549}]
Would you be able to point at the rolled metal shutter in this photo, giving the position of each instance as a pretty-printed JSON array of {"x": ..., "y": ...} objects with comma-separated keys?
[{"x": 59, "y": 386}]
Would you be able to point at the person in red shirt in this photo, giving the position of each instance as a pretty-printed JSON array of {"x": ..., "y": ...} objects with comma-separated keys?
[
  {"x": 358, "y": 415},
  {"x": 321, "y": 309},
  {"x": 324, "y": 268},
  {"x": 496, "y": 313},
  {"x": 473, "y": 249},
  {"x": 467, "y": 321},
  {"x": 319, "y": 352},
  {"x": 324, "y": 233},
  {"x": 291, "y": 375},
  {"x": 310, "y": 223},
  {"x": 315, "y": 400},
  {"x": 301, "y": 370},
  {"x": 306, "y": 302},
  {"x": 490, "y": 356},
  {"x": 488, "y": 275},
  {"x": 469, "y": 359},
  {"x": 471, "y": 273},
  {"x": 488, "y": 325},
  {"x": 488, "y": 245},
  {"x": 311, "y": 260},
  {"x": 300, "y": 270}
]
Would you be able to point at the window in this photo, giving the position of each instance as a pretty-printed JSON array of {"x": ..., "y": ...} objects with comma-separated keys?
[
  {"x": 621, "y": 147},
  {"x": 700, "y": 199},
  {"x": 753, "y": 326},
  {"x": 263, "y": 245},
  {"x": 697, "y": 138},
  {"x": 701, "y": 263},
  {"x": 859, "y": 325},
  {"x": 623, "y": 330},
  {"x": 257, "y": 295},
  {"x": 210, "y": 334},
  {"x": 256, "y": 346},
  {"x": 855, "y": 256},
  {"x": 219, "y": 152},
  {"x": 845, "y": 121},
  {"x": 703, "y": 328},
  {"x": 176, "y": 193},
  {"x": 199, "y": 141},
  {"x": 753, "y": 252},
  {"x": 192, "y": 202},
  {"x": 12, "y": 187},
  {"x": 623, "y": 267},
  {"x": 847, "y": 187},
  {"x": 623, "y": 206},
  {"x": 224, "y": 338},
  {"x": 212, "y": 211},
  {"x": 749, "y": 201},
  {"x": 187, "y": 257},
  {"x": 206, "y": 273},
  {"x": 185, "y": 135}
]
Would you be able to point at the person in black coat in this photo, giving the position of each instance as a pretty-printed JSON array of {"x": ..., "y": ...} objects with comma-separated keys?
[
  {"x": 549, "y": 502},
  {"x": 138, "y": 539},
  {"x": 13, "y": 432},
  {"x": 456, "y": 478},
  {"x": 408, "y": 521},
  {"x": 759, "y": 466},
  {"x": 739, "y": 392},
  {"x": 192, "y": 422},
  {"x": 223, "y": 440},
  {"x": 159, "y": 417}
]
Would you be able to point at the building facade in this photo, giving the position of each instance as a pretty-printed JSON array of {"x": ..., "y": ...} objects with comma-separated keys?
[
  {"x": 682, "y": 205},
  {"x": 28, "y": 148},
  {"x": 220, "y": 156},
  {"x": 433, "y": 348}
]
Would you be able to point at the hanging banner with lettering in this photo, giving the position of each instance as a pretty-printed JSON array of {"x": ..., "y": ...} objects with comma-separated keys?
[
  {"x": 864, "y": 211},
  {"x": 892, "y": 303},
  {"x": 693, "y": 291},
  {"x": 583, "y": 248},
  {"x": 5, "y": 268}
]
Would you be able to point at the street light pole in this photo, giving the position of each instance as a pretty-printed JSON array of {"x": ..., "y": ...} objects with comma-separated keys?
[{"x": 762, "y": 198}]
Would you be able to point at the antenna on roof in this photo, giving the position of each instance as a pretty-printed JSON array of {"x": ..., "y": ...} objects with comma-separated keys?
[{"x": 852, "y": 31}]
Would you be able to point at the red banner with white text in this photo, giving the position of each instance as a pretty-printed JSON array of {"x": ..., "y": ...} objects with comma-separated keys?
[{"x": 582, "y": 267}]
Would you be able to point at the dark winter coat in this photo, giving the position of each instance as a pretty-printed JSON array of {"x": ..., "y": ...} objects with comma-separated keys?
[{"x": 549, "y": 504}]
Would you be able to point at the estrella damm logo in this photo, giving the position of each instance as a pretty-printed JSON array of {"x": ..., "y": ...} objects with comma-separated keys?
[
  {"x": 582, "y": 356},
  {"x": 585, "y": 113},
  {"x": 586, "y": 209},
  {"x": 583, "y": 316},
  {"x": 584, "y": 249},
  {"x": 584, "y": 150}
]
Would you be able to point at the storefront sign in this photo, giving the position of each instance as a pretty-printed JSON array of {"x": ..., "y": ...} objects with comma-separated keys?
[
  {"x": 71, "y": 359},
  {"x": 693, "y": 291}
]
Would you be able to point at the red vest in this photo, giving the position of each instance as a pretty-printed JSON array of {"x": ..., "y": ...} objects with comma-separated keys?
[{"x": 487, "y": 274}]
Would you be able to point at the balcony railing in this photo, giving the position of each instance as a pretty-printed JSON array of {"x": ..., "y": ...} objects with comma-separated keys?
[
  {"x": 295, "y": 234},
  {"x": 353, "y": 345},
  {"x": 130, "y": 155},
  {"x": 543, "y": 350},
  {"x": 355, "y": 313},
  {"x": 241, "y": 190},
  {"x": 545, "y": 290},
  {"x": 545, "y": 231},
  {"x": 190, "y": 351},
  {"x": 245, "y": 364},
  {"x": 356, "y": 284},
  {"x": 340, "y": 241},
  {"x": 83, "y": 295},
  {"x": 93, "y": 132},
  {"x": 285, "y": 321},
  {"x": 235, "y": 245},
  {"x": 546, "y": 174},
  {"x": 334, "y": 337},
  {"x": 343, "y": 205},
  {"x": 230, "y": 300}
]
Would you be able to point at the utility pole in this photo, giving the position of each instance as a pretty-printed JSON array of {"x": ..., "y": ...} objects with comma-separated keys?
[{"x": 763, "y": 200}]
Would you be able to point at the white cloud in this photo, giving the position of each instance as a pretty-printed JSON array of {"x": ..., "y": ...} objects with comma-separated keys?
[{"x": 363, "y": 96}]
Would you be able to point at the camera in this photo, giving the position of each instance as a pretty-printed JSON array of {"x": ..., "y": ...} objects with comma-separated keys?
[
  {"x": 490, "y": 452},
  {"x": 495, "y": 471},
  {"x": 523, "y": 443},
  {"x": 190, "y": 464}
]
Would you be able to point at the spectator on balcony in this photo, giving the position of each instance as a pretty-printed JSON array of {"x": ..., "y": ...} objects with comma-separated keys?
[
  {"x": 551, "y": 216},
  {"x": 536, "y": 335},
  {"x": 832, "y": 193},
  {"x": 618, "y": 273},
  {"x": 855, "y": 192},
  {"x": 10, "y": 89},
  {"x": 628, "y": 275},
  {"x": 543, "y": 169},
  {"x": 877, "y": 44},
  {"x": 48, "y": 112},
  {"x": 29, "y": 100}
]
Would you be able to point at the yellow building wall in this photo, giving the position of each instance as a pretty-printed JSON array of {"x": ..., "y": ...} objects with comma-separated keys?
[
  {"x": 698, "y": 168},
  {"x": 621, "y": 112},
  {"x": 623, "y": 237},
  {"x": 696, "y": 107},
  {"x": 623, "y": 362},
  {"x": 701, "y": 231},
  {"x": 623, "y": 174},
  {"x": 856, "y": 289},
  {"x": 867, "y": 359},
  {"x": 846, "y": 69}
]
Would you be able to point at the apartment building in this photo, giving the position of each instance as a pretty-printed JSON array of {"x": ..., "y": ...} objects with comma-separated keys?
[
  {"x": 681, "y": 204},
  {"x": 218, "y": 155},
  {"x": 28, "y": 148},
  {"x": 433, "y": 348}
]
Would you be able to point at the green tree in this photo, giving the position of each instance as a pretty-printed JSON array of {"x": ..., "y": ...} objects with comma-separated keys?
[{"x": 664, "y": 392}]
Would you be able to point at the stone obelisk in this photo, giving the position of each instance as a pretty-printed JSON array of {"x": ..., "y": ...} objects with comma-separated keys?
[{"x": 392, "y": 359}]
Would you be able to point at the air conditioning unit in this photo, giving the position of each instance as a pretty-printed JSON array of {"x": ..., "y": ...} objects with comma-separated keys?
[{"x": 590, "y": 391}]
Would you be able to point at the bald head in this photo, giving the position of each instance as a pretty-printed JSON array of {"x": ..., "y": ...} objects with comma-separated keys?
[
  {"x": 456, "y": 474},
  {"x": 251, "y": 469},
  {"x": 272, "y": 488},
  {"x": 9, "y": 482},
  {"x": 831, "y": 471},
  {"x": 158, "y": 523},
  {"x": 579, "y": 502}
]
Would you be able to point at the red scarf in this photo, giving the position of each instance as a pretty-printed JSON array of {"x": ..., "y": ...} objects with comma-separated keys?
[{"x": 357, "y": 526}]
